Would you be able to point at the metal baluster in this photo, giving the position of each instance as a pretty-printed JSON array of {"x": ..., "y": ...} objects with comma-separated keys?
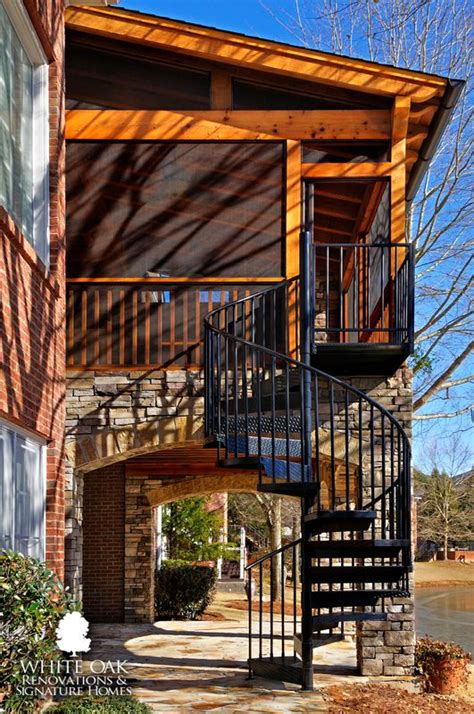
[
  {"x": 331, "y": 431},
  {"x": 260, "y": 611},
  {"x": 272, "y": 598},
  {"x": 283, "y": 582},
  {"x": 346, "y": 429}
]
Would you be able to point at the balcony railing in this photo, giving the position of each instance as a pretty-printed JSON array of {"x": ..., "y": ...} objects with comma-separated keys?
[
  {"x": 142, "y": 323},
  {"x": 364, "y": 293}
]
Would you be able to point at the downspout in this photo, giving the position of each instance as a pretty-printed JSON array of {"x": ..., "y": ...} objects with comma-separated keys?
[{"x": 450, "y": 98}]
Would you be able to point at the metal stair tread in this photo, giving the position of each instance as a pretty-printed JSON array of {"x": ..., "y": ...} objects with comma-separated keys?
[
  {"x": 377, "y": 548},
  {"x": 352, "y": 598},
  {"x": 357, "y": 574},
  {"x": 330, "y": 521},
  {"x": 329, "y": 621},
  {"x": 264, "y": 445}
]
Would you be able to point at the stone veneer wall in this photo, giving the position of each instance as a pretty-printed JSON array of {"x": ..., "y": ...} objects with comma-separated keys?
[{"x": 112, "y": 416}]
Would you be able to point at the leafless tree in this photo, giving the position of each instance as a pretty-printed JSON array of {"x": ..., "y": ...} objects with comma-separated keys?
[
  {"x": 431, "y": 36},
  {"x": 279, "y": 514}
]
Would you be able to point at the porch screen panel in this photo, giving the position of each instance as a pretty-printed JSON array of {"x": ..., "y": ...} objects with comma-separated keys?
[
  {"x": 123, "y": 79},
  {"x": 209, "y": 209}
]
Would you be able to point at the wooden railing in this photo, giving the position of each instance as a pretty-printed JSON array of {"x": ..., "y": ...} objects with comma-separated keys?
[{"x": 143, "y": 323}]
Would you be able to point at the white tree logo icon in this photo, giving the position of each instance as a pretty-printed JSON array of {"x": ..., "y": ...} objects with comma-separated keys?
[{"x": 71, "y": 634}]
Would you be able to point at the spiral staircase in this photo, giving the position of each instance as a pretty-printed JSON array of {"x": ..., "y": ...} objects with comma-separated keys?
[{"x": 311, "y": 436}]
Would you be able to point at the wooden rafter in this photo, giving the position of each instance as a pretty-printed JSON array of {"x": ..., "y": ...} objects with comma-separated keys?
[{"x": 356, "y": 124}]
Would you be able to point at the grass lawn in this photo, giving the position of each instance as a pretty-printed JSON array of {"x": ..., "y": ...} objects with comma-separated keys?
[{"x": 443, "y": 572}]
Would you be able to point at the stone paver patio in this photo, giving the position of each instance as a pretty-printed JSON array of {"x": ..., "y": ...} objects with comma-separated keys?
[{"x": 201, "y": 666}]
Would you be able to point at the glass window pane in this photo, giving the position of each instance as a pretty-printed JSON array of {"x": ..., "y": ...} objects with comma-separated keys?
[
  {"x": 16, "y": 128},
  {"x": 29, "y": 504},
  {"x": 6, "y": 488}
]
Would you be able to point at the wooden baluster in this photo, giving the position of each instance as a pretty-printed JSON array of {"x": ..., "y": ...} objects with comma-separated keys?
[
  {"x": 159, "y": 329},
  {"x": 109, "y": 327},
  {"x": 185, "y": 327},
  {"x": 97, "y": 326},
  {"x": 172, "y": 324},
  {"x": 84, "y": 328},
  {"x": 122, "y": 327},
  {"x": 147, "y": 327},
  {"x": 135, "y": 326}
]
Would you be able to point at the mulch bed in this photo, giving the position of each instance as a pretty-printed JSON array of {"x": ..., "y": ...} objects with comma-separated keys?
[
  {"x": 243, "y": 605},
  {"x": 380, "y": 699}
]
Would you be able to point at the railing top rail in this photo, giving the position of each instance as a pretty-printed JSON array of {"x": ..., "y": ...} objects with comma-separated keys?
[
  {"x": 223, "y": 308},
  {"x": 179, "y": 281},
  {"x": 363, "y": 245},
  {"x": 272, "y": 553}
]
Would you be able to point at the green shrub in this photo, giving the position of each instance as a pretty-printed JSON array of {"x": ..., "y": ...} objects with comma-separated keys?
[
  {"x": 32, "y": 601},
  {"x": 183, "y": 591},
  {"x": 100, "y": 705}
]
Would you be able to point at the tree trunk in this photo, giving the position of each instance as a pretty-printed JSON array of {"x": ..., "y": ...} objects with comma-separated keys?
[{"x": 275, "y": 543}]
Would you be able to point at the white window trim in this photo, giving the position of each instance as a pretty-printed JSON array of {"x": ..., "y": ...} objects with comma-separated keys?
[
  {"x": 37, "y": 441},
  {"x": 27, "y": 35}
]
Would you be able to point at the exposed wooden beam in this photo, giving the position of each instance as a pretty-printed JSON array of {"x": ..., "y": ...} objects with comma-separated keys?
[
  {"x": 346, "y": 171},
  {"x": 400, "y": 118},
  {"x": 221, "y": 90},
  {"x": 257, "y": 53},
  {"x": 326, "y": 192},
  {"x": 324, "y": 210},
  {"x": 221, "y": 124},
  {"x": 336, "y": 231}
]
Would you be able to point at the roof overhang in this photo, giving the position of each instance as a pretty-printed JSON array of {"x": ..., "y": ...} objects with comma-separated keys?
[{"x": 432, "y": 98}]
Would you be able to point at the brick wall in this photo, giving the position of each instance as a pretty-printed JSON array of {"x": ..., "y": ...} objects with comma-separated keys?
[
  {"x": 103, "y": 544},
  {"x": 32, "y": 349}
]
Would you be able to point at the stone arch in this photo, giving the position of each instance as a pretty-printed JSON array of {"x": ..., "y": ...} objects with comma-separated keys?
[
  {"x": 105, "y": 447},
  {"x": 203, "y": 486}
]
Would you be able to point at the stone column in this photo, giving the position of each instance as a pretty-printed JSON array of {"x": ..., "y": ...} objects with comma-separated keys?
[
  {"x": 139, "y": 557},
  {"x": 388, "y": 647},
  {"x": 74, "y": 483}
]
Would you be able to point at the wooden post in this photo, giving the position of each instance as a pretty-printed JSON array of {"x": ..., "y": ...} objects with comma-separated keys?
[{"x": 293, "y": 230}]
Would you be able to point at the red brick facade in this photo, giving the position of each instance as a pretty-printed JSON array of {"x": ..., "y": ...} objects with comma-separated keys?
[
  {"x": 32, "y": 347},
  {"x": 104, "y": 543}
]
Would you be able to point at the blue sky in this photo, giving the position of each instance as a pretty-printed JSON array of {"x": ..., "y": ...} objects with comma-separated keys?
[{"x": 247, "y": 16}]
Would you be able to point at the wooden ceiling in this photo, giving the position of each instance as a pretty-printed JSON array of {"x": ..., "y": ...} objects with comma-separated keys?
[{"x": 343, "y": 210}]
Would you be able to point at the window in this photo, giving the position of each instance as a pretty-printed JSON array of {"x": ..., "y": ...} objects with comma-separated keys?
[
  {"x": 22, "y": 492},
  {"x": 24, "y": 137}
]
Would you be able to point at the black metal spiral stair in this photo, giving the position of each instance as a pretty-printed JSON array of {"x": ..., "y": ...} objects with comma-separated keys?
[{"x": 312, "y": 436}]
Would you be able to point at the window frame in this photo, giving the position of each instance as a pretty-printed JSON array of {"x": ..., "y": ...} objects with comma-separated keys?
[
  {"x": 24, "y": 29},
  {"x": 40, "y": 444}
]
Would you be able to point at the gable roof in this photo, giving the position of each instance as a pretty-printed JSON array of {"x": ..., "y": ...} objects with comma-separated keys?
[{"x": 432, "y": 97}]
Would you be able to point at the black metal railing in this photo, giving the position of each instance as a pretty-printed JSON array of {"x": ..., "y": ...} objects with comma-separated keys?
[
  {"x": 272, "y": 409},
  {"x": 274, "y": 614},
  {"x": 364, "y": 293},
  {"x": 304, "y": 431}
]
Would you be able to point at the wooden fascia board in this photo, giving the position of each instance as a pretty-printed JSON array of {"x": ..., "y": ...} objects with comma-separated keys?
[
  {"x": 256, "y": 53},
  {"x": 347, "y": 125}
]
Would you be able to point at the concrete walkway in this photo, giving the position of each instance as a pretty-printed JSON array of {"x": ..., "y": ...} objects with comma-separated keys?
[{"x": 201, "y": 666}]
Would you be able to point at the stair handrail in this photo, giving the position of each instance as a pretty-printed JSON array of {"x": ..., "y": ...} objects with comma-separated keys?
[
  {"x": 297, "y": 363},
  {"x": 270, "y": 554}
]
